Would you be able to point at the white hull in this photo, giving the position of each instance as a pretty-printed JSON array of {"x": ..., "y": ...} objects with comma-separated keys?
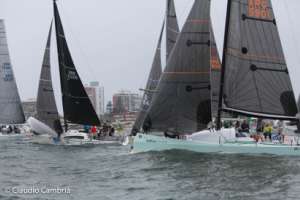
[
  {"x": 46, "y": 135},
  {"x": 4, "y": 135}
]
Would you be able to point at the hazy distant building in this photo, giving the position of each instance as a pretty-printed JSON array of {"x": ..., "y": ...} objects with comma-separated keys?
[
  {"x": 96, "y": 95},
  {"x": 126, "y": 102},
  {"x": 29, "y": 107},
  {"x": 109, "y": 107}
]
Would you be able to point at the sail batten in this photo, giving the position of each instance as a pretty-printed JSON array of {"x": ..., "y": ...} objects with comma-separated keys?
[
  {"x": 256, "y": 77},
  {"x": 46, "y": 106},
  {"x": 182, "y": 103},
  {"x": 11, "y": 111},
  {"x": 77, "y": 106}
]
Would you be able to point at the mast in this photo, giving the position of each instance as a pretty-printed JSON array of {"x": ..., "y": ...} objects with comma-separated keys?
[
  {"x": 60, "y": 58},
  {"x": 220, "y": 103}
]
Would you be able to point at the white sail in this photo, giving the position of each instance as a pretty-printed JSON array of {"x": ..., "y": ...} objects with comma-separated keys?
[{"x": 11, "y": 111}]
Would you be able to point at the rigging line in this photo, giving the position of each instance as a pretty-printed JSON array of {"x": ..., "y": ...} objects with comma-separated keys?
[{"x": 93, "y": 74}]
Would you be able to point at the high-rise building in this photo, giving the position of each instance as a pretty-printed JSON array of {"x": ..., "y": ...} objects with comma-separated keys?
[
  {"x": 96, "y": 95},
  {"x": 126, "y": 101},
  {"x": 109, "y": 107}
]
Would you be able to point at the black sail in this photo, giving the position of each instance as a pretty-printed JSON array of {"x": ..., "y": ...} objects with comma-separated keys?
[
  {"x": 298, "y": 103},
  {"x": 182, "y": 103},
  {"x": 46, "y": 106},
  {"x": 257, "y": 81},
  {"x": 172, "y": 29},
  {"x": 77, "y": 106},
  {"x": 154, "y": 76},
  {"x": 215, "y": 64}
]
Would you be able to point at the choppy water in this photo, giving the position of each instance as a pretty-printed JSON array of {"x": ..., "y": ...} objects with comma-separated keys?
[{"x": 109, "y": 172}]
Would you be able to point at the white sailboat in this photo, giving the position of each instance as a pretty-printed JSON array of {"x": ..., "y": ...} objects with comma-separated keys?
[{"x": 11, "y": 112}]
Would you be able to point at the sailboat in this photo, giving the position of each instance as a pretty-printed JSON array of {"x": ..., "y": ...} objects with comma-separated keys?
[
  {"x": 10, "y": 103},
  {"x": 182, "y": 102},
  {"x": 77, "y": 106},
  {"x": 254, "y": 82},
  {"x": 172, "y": 31}
]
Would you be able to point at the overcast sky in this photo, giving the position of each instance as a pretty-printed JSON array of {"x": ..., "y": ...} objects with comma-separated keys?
[{"x": 113, "y": 42}]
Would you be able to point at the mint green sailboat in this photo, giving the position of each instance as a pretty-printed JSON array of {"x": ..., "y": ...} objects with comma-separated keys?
[{"x": 254, "y": 81}]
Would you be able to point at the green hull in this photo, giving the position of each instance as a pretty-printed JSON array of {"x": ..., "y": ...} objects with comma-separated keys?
[{"x": 144, "y": 143}]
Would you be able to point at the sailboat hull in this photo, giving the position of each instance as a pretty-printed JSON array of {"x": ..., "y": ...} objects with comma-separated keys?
[
  {"x": 45, "y": 135},
  {"x": 145, "y": 143}
]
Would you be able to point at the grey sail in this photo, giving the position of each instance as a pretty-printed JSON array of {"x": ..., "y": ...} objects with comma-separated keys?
[
  {"x": 154, "y": 76},
  {"x": 215, "y": 63},
  {"x": 182, "y": 103},
  {"x": 172, "y": 29},
  {"x": 11, "y": 111},
  {"x": 46, "y": 106},
  {"x": 256, "y": 77}
]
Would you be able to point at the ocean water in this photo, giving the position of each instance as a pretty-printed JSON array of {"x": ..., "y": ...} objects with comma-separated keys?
[{"x": 110, "y": 172}]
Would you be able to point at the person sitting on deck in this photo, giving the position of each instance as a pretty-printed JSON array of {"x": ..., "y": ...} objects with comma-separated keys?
[
  {"x": 279, "y": 136},
  {"x": 245, "y": 127},
  {"x": 112, "y": 131},
  {"x": 169, "y": 134},
  {"x": 268, "y": 129},
  {"x": 237, "y": 125},
  {"x": 86, "y": 128}
]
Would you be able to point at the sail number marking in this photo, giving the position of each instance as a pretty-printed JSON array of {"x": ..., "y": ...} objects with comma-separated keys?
[
  {"x": 7, "y": 72},
  {"x": 72, "y": 75},
  {"x": 259, "y": 9}
]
